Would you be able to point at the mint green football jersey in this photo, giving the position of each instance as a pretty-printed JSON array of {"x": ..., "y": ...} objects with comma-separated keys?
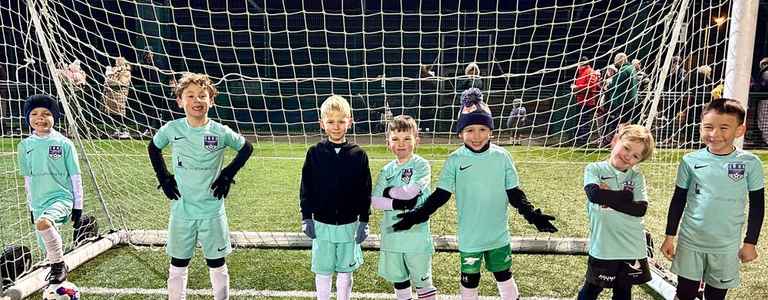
[
  {"x": 479, "y": 182},
  {"x": 718, "y": 188},
  {"x": 615, "y": 235},
  {"x": 49, "y": 162},
  {"x": 197, "y": 158},
  {"x": 418, "y": 239}
]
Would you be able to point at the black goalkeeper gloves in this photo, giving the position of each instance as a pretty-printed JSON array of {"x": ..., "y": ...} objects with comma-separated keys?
[
  {"x": 541, "y": 221},
  {"x": 221, "y": 185},
  {"x": 410, "y": 218},
  {"x": 168, "y": 184}
]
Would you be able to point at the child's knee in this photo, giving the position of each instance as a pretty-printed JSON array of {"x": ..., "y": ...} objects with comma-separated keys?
[
  {"x": 502, "y": 276},
  {"x": 470, "y": 281},
  {"x": 43, "y": 224},
  {"x": 179, "y": 262},
  {"x": 215, "y": 263}
]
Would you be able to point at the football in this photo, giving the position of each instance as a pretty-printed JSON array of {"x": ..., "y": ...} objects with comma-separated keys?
[{"x": 64, "y": 291}]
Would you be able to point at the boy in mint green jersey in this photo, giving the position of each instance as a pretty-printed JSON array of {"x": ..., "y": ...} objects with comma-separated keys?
[
  {"x": 485, "y": 181},
  {"x": 48, "y": 162},
  {"x": 711, "y": 192},
  {"x": 406, "y": 256},
  {"x": 616, "y": 204},
  {"x": 200, "y": 185}
]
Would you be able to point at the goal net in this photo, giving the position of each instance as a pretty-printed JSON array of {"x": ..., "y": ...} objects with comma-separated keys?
[{"x": 113, "y": 66}]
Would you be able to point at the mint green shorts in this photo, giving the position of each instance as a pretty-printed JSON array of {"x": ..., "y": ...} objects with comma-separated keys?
[
  {"x": 334, "y": 249},
  {"x": 718, "y": 270},
  {"x": 496, "y": 260},
  {"x": 58, "y": 213},
  {"x": 329, "y": 257},
  {"x": 212, "y": 234},
  {"x": 399, "y": 267}
]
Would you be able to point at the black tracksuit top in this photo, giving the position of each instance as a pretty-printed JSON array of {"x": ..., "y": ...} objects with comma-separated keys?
[{"x": 335, "y": 188}]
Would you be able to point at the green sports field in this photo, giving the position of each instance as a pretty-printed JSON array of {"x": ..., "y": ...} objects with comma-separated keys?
[{"x": 265, "y": 198}]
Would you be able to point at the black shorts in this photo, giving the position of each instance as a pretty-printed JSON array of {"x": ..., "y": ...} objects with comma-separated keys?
[{"x": 610, "y": 273}]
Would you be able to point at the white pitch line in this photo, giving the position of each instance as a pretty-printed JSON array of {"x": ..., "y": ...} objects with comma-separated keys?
[{"x": 263, "y": 293}]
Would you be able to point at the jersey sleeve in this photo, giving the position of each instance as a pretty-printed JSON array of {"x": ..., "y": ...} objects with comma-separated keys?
[
  {"x": 234, "y": 140},
  {"x": 755, "y": 178},
  {"x": 639, "y": 192},
  {"x": 591, "y": 175},
  {"x": 381, "y": 184},
  {"x": 683, "y": 179},
  {"x": 161, "y": 137},
  {"x": 22, "y": 161},
  {"x": 72, "y": 162},
  {"x": 511, "y": 180},
  {"x": 447, "y": 179}
]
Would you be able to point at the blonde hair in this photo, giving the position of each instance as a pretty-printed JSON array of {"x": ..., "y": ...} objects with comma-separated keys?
[
  {"x": 638, "y": 134},
  {"x": 402, "y": 123},
  {"x": 472, "y": 67},
  {"x": 620, "y": 58},
  {"x": 194, "y": 78},
  {"x": 335, "y": 103}
]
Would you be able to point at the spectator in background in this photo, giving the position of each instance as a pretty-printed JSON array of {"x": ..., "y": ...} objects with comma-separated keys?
[
  {"x": 516, "y": 119},
  {"x": 117, "y": 80},
  {"x": 760, "y": 88},
  {"x": 676, "y": 76},
  {"x": 471, "y": 78},
  {"x": 586, "y": 87},
  {"x": 643, "y": 81},
  {"x": 157, "y": 104},
  {"x": 622, "y": 97},
  {"x": 603, "y": 103}
]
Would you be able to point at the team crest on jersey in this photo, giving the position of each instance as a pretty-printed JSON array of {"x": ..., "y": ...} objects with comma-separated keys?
[
  {"x": 629, "y": 185},
  {"x": 210, "y": 142},
  {"x": 55, "y": 152},
  {"x": 406, "y": 176},
  {"x": 736, "y": 170}
]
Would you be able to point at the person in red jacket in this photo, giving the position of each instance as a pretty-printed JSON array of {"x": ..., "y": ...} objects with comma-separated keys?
[{"x": 586, "y": 88}]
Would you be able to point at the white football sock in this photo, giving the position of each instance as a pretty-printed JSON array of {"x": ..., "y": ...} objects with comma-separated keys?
[
  {"x": 323, "y": 286},
  {"x": 343, "y": 286},
  {"x": 508, "y": 289},
  {"x": 427, "y": 293},
  {"x": 220, "y": 282},
  {"x": 52, "y": 241},
  {"x": 403, "y": 294},
  {"x": 469, "y": 294},
  {"x": 177, "y": 283}
]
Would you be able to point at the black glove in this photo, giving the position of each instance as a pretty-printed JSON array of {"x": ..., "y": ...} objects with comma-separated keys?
[
  {"x": 221, "y": 185},
  {"x": 541, "y": 221},
  {"x": 76, "y": 215},
  {"x": 408, "y": 219},
  {"x": 168, "y": 184}
]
